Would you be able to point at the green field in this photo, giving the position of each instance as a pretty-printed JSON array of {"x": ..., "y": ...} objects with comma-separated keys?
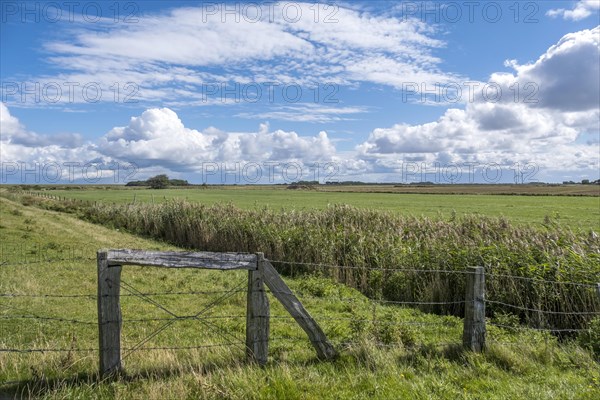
[
  {"x": 577, "y": 212},
  {"x": 386, "y": 351}
]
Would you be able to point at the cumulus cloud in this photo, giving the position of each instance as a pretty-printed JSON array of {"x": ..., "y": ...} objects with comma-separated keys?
[
  {"x": 581, "y": 10},
  {"x": 32, "y": 139},
  {"x": 427, "y": 138},
  {"x": 9, "y": 125},
  {"x": 547, "y": 132},
  {"x": 566, "y": 77},
  {"x": 35, "y": 158},
  {"x": 158, "y": 137},
  {"x": 478, "y": 133},
  {"x": 14, "y": 132},
  {"x": 158, "y": 141}
]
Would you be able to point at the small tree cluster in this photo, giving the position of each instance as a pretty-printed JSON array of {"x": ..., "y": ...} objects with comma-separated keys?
[{"x": 159, "y": 182}]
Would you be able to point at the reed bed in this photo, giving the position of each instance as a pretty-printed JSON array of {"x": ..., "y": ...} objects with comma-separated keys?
[{"x": 382, "y": 253}]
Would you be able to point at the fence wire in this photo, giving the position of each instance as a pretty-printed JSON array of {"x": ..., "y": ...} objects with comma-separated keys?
[{"x": 232, "y": 342}]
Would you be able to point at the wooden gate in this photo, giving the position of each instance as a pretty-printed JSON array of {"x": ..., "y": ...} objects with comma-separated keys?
[{"x": 260, "y": 272}]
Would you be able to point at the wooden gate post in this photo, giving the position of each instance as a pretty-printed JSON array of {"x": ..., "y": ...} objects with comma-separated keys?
[
  {"x": 474, "y": 330},
  {"x": 109, "y": 315},
  {"x": 290, "y": 302},
  {"x": 257, "y": 314}
]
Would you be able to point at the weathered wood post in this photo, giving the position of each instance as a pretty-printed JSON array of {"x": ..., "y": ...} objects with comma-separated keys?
[
  {"x": 109, "y": 315},
  {"x": 257, "y": 315},
  {"x": 474, "y": 327},
  {"x": 598, "y": 290},
  {"x": 290, "y": 302}
]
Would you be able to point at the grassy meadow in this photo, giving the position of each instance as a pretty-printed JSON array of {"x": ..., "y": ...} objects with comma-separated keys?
[
  {"x": 378, "y": 251},
  {"x": 574, "y": 206},
  {"x": 386, "y": 351}
]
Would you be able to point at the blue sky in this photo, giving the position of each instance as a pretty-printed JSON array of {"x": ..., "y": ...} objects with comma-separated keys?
[{"x": 377, "y": 91}]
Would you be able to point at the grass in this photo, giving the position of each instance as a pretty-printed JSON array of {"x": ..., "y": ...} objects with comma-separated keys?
[
  {"x": 380, "y": 251},
  {"x": 575, "y": 212},
  {"x": 418, "y": 362},
  {"x": 478, "y": 189}
]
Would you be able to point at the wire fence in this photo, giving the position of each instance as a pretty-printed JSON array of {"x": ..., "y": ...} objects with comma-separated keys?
[
  {"x": 11, "y": 312},
  {"x": 337, "y": 312},
  {"x": 428, "y": 270},
  {"x": 537, "y": 302}
]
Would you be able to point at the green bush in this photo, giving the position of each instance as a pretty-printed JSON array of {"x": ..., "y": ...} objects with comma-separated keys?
[{"x": 382, "y": 253}]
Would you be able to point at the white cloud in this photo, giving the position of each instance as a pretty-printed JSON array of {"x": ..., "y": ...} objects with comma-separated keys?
[
  {"x": 581, "y": 10},
  {"x": 14, "y": 132},
  {"x": 9, "y": 125},
  {"x": 158, "y": 137},
  {"x": 158, "y": 141},
  {"x": 170, "y": 56},
  {"x": 566, "y": 76},
  {"x": 183, "y": 38},
  {"x": 37, "y": 158},
  {"x": 306, "y": 113},
  {"x": 559, "y": 132},
  {"x": 427, "y": 138}
]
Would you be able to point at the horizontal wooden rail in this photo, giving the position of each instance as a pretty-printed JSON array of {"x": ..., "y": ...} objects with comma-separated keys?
[{"x": 178, "y": 259}]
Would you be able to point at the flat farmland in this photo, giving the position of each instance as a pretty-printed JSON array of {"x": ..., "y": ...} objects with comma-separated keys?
[
  {"x": 574, "y": 206},
  {"x": 48, "y": 281}
]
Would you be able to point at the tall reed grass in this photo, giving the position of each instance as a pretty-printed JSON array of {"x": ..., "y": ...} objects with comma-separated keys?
[{"x": 384, "y": 251}]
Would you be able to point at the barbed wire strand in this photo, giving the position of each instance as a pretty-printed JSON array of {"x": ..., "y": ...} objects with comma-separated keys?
[
  {"x": 542, "y": 311},
  {"x": 494, "y": 275},
  {"x": 402, "y": 269},
  {"x": 48, "y": 261},
  {"x": 524, "y": 328},
  {"x": 321, "y": 265},
  {"x": 58, "y": 350},
  {"x": 93, "y": 295}
]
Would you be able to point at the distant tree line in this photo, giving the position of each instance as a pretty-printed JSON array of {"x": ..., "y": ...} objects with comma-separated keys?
[
  {"x": 583, "y": 182},
  {"x": 305, "y": 183},
  {"x": 159, "y": 182}
]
